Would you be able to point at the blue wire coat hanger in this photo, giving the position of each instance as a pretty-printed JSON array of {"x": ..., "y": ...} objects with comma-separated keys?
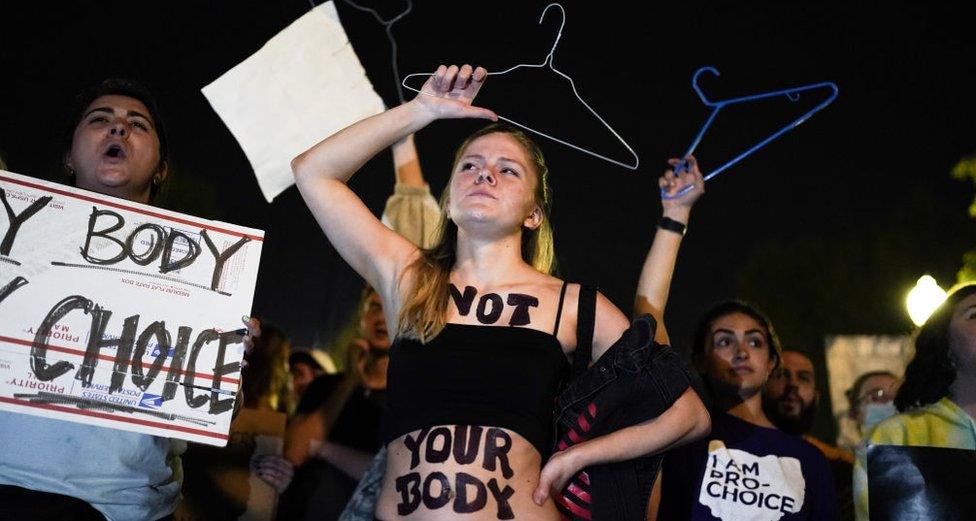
[
  {"x": 548, "y": 62},
  {"x": 792, "y": 94}
]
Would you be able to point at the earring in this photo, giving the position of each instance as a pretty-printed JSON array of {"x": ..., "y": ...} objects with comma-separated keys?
[
  {"x": 156, "y": 180},
  {"x": 71, "y": 171}
]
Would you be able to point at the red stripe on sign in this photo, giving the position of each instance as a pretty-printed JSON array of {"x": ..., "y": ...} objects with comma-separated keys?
[
  {"x": 93, "y": 199},
  {"x": 109, "y": 358},
  {"x": 106, "y": 416}
]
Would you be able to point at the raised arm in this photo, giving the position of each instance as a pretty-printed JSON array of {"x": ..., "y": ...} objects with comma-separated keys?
[
  {"x": 411, "y": 210},
  {"x": 378, "y": 254},
  {"x": 406, "y": 163},
  {"x": 655, "y": 279}
]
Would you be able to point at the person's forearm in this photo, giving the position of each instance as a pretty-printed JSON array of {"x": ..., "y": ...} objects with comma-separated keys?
[
  {"x": 340, "y": 155},
  {"x": 656, "y": 274},
  {"x": 351, "y": 462},
  {"x": 303, "y": 431},
  {"x": 407, "y": 163},
  {"x": 686, "y": 420}
]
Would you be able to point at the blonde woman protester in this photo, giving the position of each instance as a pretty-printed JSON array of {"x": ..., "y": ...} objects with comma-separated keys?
[
  {"x": 343, "y": 425},
  {"x": 469, "y": 408}
]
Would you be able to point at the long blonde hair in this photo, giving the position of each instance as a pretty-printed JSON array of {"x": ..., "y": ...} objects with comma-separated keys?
[{"x": 424, "y": 312}]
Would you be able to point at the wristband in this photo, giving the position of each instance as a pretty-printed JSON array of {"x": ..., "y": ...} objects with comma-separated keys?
[{"x": 669, "y": 224}]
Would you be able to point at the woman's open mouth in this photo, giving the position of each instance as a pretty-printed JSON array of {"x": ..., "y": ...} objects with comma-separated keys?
[{"x": 115, "y": 153}]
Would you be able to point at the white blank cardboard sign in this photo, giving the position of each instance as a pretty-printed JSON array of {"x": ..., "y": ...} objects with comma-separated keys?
[
  {"x": 120, "y": 314},
  {"x": 304, "y": 85}
]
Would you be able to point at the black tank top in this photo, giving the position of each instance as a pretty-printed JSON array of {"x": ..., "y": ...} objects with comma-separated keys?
[{"x": 495, "y": 376}]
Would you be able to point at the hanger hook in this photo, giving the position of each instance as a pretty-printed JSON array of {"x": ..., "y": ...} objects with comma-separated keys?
[
  {"x": 694, "y": 83},
  {"x": 559, "y": 34}
]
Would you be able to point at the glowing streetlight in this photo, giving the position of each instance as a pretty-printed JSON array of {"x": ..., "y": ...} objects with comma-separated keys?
[{"x": 923, "y": 299}]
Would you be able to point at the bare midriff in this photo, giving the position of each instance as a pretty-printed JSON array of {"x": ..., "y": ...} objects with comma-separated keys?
[{"x": 462, "y": 472}]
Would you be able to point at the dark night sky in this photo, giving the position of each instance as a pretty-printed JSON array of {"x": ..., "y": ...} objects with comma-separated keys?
[{"x": 863, "y": 185}]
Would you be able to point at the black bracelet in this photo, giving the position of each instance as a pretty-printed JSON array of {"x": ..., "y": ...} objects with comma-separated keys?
[{"x": 669, "y": 224}]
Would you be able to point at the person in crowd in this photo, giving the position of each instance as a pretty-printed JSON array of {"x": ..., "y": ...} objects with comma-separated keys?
[
  {"x": 937, "y": 398},
  {"x": 746, "y": 468},
  {"x": 265, "y": 388},
  {"x": 335, "y": 433},
  {"x": 653, "y": 288},
  {"x": 469, "y": 404},
  {"x": 116, "y": 146},
  {"x": 790, "y": 401},
  {"x": 305, "y": 365},
  {"x": 871, "y": 399},
  {"x": 340, "y": 452},
  {"x": 265, "y": 378}
]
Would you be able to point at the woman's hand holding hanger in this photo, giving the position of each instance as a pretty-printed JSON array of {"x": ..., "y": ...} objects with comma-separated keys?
[
  {"x": 448, "y": 93},
  {"x": 680, "y": 190}
]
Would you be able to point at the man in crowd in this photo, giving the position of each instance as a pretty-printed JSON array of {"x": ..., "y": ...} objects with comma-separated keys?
[{"x": 790, "y": 400}]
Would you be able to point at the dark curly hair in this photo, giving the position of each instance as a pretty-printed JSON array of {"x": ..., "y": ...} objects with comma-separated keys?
[{"x": 931, "y": 371}]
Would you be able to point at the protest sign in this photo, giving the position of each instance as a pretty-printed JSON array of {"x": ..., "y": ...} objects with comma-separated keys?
[
  {"x": 304, "y": 84},
  {"x": 120, "y": 314}
]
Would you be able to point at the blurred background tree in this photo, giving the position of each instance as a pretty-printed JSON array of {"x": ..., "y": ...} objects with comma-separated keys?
[{"x": 965, "y": 170}]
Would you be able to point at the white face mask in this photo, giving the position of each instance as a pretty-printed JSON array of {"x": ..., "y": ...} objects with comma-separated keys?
[{"x": 874, "y": 413}]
